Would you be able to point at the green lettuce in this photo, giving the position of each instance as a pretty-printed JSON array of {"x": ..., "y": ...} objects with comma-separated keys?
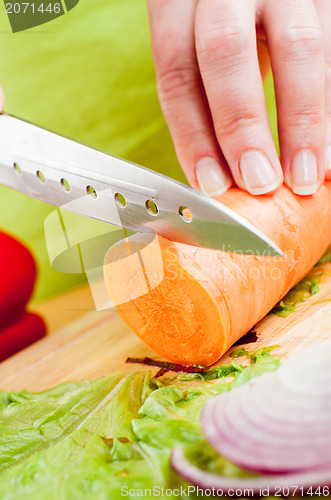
[{"x": 99, "y": 439}]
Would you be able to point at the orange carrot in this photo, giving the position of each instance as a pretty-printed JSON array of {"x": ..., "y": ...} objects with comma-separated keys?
[{"x": 196, "y": 303}]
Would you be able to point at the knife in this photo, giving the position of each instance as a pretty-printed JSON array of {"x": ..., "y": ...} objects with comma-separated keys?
[{"x": 86, "y": 181}]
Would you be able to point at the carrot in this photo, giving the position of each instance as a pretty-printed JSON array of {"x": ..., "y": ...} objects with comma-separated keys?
[{"x": 195, "y": 303}]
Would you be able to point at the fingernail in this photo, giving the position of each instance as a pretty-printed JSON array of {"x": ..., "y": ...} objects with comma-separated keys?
[
  {"x": 304, "y": 173},
  {"x": 212, "y": 180},
  {"x": 258, "y": 175},
  {"x": 328, "y": 159}
]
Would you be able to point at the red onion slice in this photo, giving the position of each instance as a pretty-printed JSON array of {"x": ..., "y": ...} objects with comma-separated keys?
[
  {"x": 269, "y": 426},
  {"x": 273, "y": 483},
  {"x": 309, "y": 371},
  {"x": 243, "y": 449},
  {"x": 224, "y": 441},
  {"x": 279, "y": 424},
  {"x": 207, "y": 422},
  {"x": 259, "y": 449},
  {"x": 238, "y": 417},
  {"x": 273, "y": 400}
]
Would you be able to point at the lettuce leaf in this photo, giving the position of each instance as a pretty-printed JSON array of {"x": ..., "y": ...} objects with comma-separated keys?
[{"x": 99, "y": 439}]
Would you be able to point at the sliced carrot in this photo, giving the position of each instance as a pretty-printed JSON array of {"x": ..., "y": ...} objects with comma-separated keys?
[{"x": 191, "y": 304}]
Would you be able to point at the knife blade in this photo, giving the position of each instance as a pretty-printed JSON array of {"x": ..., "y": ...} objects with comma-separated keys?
[{"x": 90, "y": 182}]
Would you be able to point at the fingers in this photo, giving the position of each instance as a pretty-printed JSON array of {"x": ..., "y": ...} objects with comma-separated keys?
[
  {"x": 227, "y": 55},
  {"x": 297, "y": 59},
  {"x": 224, "y": 112},
  {"x": 182, "y": 95},
  {"x": 323, "y": 8}
]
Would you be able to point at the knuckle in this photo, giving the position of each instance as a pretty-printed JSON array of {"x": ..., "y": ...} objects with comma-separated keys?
[
  {"x": 223, "y": 42},
  {"x": 238, "y": 122},
  {"x": 176, "y": 81},
  {"x": 190, "y": 134},
  {"x": 306, "y": 39},
  {"x": 305, "y": 117}
]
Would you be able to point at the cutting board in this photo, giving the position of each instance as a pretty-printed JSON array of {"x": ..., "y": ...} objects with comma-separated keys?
[{"x": 84, "y": 343}]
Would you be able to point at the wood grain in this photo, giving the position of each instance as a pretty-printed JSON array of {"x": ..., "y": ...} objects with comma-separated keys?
[{"x": 93, "y": 344}]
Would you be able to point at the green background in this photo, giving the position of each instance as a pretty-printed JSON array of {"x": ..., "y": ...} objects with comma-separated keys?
[{"x": 89, "y": 75}]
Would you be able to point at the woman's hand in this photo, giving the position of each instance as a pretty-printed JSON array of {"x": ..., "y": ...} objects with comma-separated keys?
[{"x": 209, "y": 57}]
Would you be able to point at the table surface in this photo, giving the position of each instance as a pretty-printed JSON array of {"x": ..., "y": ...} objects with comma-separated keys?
[{"x": 83, "y": 343}]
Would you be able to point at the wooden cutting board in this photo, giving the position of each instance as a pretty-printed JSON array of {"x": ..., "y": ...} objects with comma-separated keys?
[{"x": 84, "y": 343}]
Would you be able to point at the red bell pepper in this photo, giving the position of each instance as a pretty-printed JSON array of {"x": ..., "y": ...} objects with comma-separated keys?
[
  {"x": 18, "y": 329},
  {"x": 27, "y": 329},
  {"x": 17, "y": 278}
]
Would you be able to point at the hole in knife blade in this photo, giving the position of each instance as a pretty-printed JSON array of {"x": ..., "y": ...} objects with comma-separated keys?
[
  {"x": 65, "y": 184},
  {"x": 17, "y": 168},
  {"x": 91, "y": 191},
  {"x": 120, "y": 200},
  {"x": 152, "y": 207},
  {"x": 185, "y": 214},
  {"x": 40, "y": 176}
]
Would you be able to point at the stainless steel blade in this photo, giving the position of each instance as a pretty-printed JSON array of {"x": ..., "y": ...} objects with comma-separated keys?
[{"x": 65, "y": 173}]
